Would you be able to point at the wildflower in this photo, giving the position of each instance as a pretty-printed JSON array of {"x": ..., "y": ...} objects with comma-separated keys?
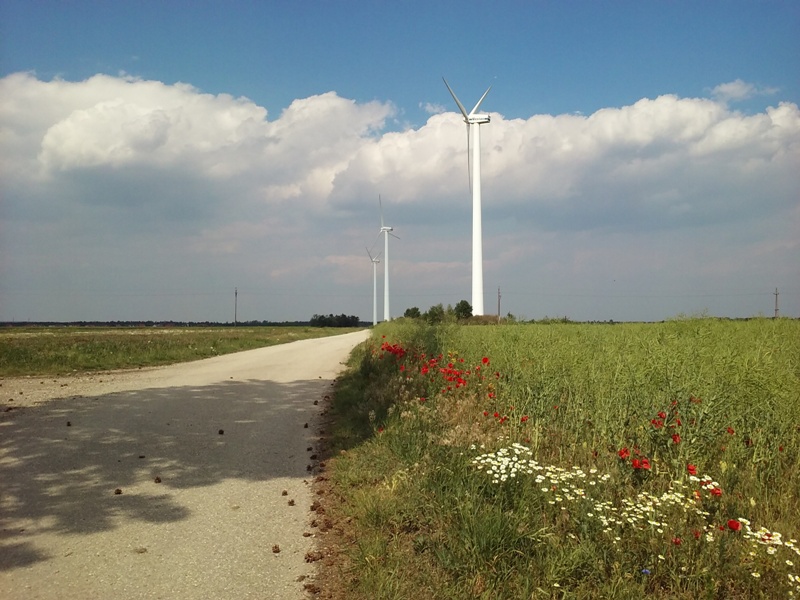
[
  {"x": 524, "y": 419},
  {"x": 756, "y": 574},
  {"x": 645, "y": 571},
  {"x": 624, "y": 453},
  {"x": 676, "y": 439},
  {"x": 676, "y": 541},
  {"x": 692, "y": 469},
  {"x": 662, "y": 415},
  {"x": 734, "y": 525},
  {"x": 716, "y": 492},
  {"x": 485, "y": 360},
  {"x": 730, "y": 431}
]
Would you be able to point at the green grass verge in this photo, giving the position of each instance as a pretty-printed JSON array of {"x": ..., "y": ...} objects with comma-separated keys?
[
  {"x": 571, "y": 461},
  {"x": 61, "y": 350}
]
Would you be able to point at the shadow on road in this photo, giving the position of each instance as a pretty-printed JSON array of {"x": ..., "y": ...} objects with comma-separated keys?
[{"x": 61, "y": 462}]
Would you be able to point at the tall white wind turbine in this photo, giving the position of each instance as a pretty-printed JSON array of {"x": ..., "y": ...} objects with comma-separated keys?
[
  {"x": 375, "y": 260},
  {"x": 386, "y": 231},
  {"x": 474, "y": 120}
]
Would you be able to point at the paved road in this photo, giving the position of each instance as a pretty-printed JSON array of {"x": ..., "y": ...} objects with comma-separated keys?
[{"x": 225, "y": 437}]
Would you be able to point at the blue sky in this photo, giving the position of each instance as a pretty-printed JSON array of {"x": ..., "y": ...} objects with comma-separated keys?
[{"x": 641, "y": 161}]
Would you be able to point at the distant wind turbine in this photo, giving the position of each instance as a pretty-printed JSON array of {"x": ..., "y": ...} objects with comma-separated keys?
[
  {"x": 386, "y": 231},
  {"x": 473, "y": 118},
  {"x": 375, "y": 262}
]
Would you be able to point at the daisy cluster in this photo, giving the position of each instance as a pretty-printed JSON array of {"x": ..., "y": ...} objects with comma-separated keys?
[
  {"x": 641, "y": 512},
  {"x": 772, "y": 541},
  {"x": 506, "y": 463}
]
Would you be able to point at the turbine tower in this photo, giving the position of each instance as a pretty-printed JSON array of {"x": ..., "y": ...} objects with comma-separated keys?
[
  {"x": 474, "y": 120},
  {"x": 386, "y": 231},
  {"x": 375, "y": 262}
]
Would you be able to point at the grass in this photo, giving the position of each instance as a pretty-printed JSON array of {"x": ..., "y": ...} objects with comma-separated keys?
[
  {"x": 570, "y": 461},
  {"x": 62, "y": 350}
]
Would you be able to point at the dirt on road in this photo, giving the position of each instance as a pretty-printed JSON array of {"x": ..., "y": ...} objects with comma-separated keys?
[{"x": 187, "y": 481}]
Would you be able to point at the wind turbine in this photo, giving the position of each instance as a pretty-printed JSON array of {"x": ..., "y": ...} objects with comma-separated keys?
[
  {"x": 386, "y": 231},
  {"x": 474, "y": 120},
  {"x": 375, "y": 262}
]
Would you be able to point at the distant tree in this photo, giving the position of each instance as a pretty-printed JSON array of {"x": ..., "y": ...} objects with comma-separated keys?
[
  {"x": 435, "y": 314},
  {"x": 463, "y": 310},
  {"x": 334, "y": 321},
  {"x": 412, "y": 313}
]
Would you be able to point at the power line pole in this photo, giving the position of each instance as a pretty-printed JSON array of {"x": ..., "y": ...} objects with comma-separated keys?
[
  {"x": 235, "y": 305},
  {"x": 776, "y": 303},
  {"x": 498, "y": 304}
]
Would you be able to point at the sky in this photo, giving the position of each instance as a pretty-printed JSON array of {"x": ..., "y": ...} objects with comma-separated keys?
[{"x": 200, "y": 161}]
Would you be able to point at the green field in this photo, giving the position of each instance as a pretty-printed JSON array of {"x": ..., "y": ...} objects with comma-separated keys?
[
  {"x": 62, "y": 350},
  {"x": 570, "y": 461}
]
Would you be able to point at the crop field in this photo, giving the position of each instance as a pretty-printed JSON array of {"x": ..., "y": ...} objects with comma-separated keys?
[
  {"x": 569, "y": 461},
  {"x": 63, "y": 350}
]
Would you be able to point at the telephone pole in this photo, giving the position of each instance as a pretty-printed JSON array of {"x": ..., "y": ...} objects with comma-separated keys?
[{"x": 776, "y": 303}]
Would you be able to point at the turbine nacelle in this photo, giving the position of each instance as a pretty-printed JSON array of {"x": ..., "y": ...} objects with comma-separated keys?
[{"x": 477, "y": 119}]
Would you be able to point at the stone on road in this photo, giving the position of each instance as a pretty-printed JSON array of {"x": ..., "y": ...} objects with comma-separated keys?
[{"x": 187, "y": 481}]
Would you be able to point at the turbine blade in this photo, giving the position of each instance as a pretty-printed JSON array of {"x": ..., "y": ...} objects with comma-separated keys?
[
  {"x": 393, "y": 235},
  {"x": 474, "y": 110},
  {"x": 380, "y": 205},
  {"x": 453, "y": 94}
]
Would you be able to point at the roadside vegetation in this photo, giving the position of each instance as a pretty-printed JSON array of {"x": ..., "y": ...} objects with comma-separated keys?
[
  {"x": 565, "y": 460},
  {"x": 64, "y": 350}
]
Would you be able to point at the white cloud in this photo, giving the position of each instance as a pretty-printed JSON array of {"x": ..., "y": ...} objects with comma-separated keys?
[
  {"x": 172, "y": 187},
  {"x": 432, "y": 108},
  {"x": 738, "y": 90}
]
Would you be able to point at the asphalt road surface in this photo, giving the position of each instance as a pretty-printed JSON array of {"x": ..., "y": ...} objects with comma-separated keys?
[{"x": 188, "y": 481}]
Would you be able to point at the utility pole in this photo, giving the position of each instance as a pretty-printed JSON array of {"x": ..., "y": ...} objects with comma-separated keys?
[
  {"x": 776, "y": 303},
  {"x": 498, "y": 304},
  {"x": 235, "y": 305}
]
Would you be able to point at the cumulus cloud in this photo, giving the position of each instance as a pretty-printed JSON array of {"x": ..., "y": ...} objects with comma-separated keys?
[
  {"x": 220, "y": 184},
  {"x": 739, "y": 90},
  {"x": 432, "y": 108}
]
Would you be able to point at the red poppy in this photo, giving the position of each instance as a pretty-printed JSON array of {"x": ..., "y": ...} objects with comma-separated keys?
[
  {"x": 696, "y": 533},
  {"x": 716, "y": 492},
  {"x": 496, "y": 415},
  {"x": 524, "y": 419},
  {"x": 485, "y": 360},
  {"x": 486, "y": 413},
  {"x": 636, "y": 463},
  {"x": 676, "y": 439},
  {"x": 624, "y": 453},
  {"x": 676, "y": 541},
  {"x": 730, "y": 430},
  {"x": 692, "y": 469},
  {"x": 734, "y": 525},
  {"x": 662, "y": 415},
  {"x": 645, "y": 464}
]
